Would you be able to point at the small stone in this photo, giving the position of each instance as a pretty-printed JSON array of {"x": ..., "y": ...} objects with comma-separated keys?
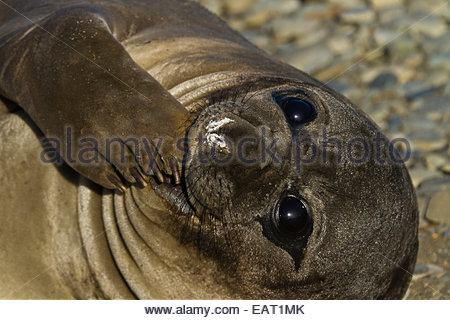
[
  {"x": 361, "y": 15},
  {"x": 432, "y": 186},
  {"x": 285, "y": 29},
  {"x": 339, "y": 86},
  {"x": 431, "y": 26},
  {"x": 390, "y": 14},
  {"x": 340, "y": 45},
  {"x": 445, "y": 13},
  {"x": 401, "y": 48},
  {"x": 371, "y": 73},
  {"x": 440, "y": 62},
  {"x": 423, "y": 270},
  {"x": 388, "y": 96},
  {"x": 436, "y": 46},
  {"x": 381, "y": 4},
  {"x": 384, "y": 36},
  {"x": 262, "y": 11},
  {"x": 356, "y": 95},
  {"x": 362, "y": 44},
  {"x": 403, "y": 73},
  {"x": 414, "y": 60},
  {"x": 310, "y": 59},
  {"x": 346, "y": 3},
  {"x": 446, "y": 168},
  {"x": 318, "y": 10},
  {"x": 447, "y": 89},
  {"x": 395, "y": 123},
  {"x": 417, "y": 89},
  {"x": 380, "y": 114},
  {"x": 433, "y": 108},
  {"x": 439, "y": 208},
  {"x": 420, "y": 175},
  {"x": 238, "y": 7},
  {"x": 383, "y": 80},
  {"x": 435, "y": 161},
  {"x": 428, "y": 6},
  {"x": 439, "y": 78},
  {"x": 258, "y": 18},
  {"x": 403, "y": 23},
  {"x": 285, "y": 6},
  {"x": 430, "y": 140},
  {"x": 312, "y": 38},
  {"x": 340, "y": 41}
]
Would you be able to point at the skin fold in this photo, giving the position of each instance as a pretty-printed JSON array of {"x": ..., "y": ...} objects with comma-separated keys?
[{"x": 192, "y": 210}]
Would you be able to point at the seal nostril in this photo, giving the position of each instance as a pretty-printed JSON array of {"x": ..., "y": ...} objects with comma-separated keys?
[{"x": 292, "y": 215}]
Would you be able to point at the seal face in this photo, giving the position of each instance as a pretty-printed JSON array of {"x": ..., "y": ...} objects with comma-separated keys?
[
  {"x": 272, "y": 170},
  {"x": 283, "y": 188}
]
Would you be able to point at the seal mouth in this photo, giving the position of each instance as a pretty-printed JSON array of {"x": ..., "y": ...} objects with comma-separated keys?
[
  {"x": 193, "y": 225},
  {"x": 174, "y": 196}
]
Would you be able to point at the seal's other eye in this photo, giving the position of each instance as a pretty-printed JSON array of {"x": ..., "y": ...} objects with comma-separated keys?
[
  {"x": 297, "y": 111},
  {"x": 292, "y": 216},
  {"x": 288, "y": 224}
]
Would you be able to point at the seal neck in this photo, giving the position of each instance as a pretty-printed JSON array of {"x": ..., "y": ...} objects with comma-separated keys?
[{"x": 152, "y": 261}]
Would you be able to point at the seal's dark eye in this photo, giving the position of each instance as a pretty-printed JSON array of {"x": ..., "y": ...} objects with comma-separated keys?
[
  {"x": 289, "y": 224},
  {"x": 297, "y": 111},
  {"x": 292, "y": 215}
]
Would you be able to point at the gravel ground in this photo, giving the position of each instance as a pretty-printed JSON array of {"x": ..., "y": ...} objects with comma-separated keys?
[{"x": 392, "y": 58}]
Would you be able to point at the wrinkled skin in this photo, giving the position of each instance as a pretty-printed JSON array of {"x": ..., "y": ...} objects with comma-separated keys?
[{"x": 173, "y": 70}]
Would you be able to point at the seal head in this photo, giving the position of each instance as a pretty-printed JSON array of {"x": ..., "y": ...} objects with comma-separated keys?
[{"x": 287, "y": 187}]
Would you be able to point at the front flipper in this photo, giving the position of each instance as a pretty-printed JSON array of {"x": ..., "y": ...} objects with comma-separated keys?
[{"x": 69, "y": 73}]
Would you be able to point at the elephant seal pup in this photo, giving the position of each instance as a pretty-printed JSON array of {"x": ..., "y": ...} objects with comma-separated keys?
[{"x": 286, "y": 190}]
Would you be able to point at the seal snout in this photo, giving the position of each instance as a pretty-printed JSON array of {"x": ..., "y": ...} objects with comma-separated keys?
[
  {"x": 225, "y": 137},
  {"x": 212, "y": 137},
  {"x": 227, "y": 152}
]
